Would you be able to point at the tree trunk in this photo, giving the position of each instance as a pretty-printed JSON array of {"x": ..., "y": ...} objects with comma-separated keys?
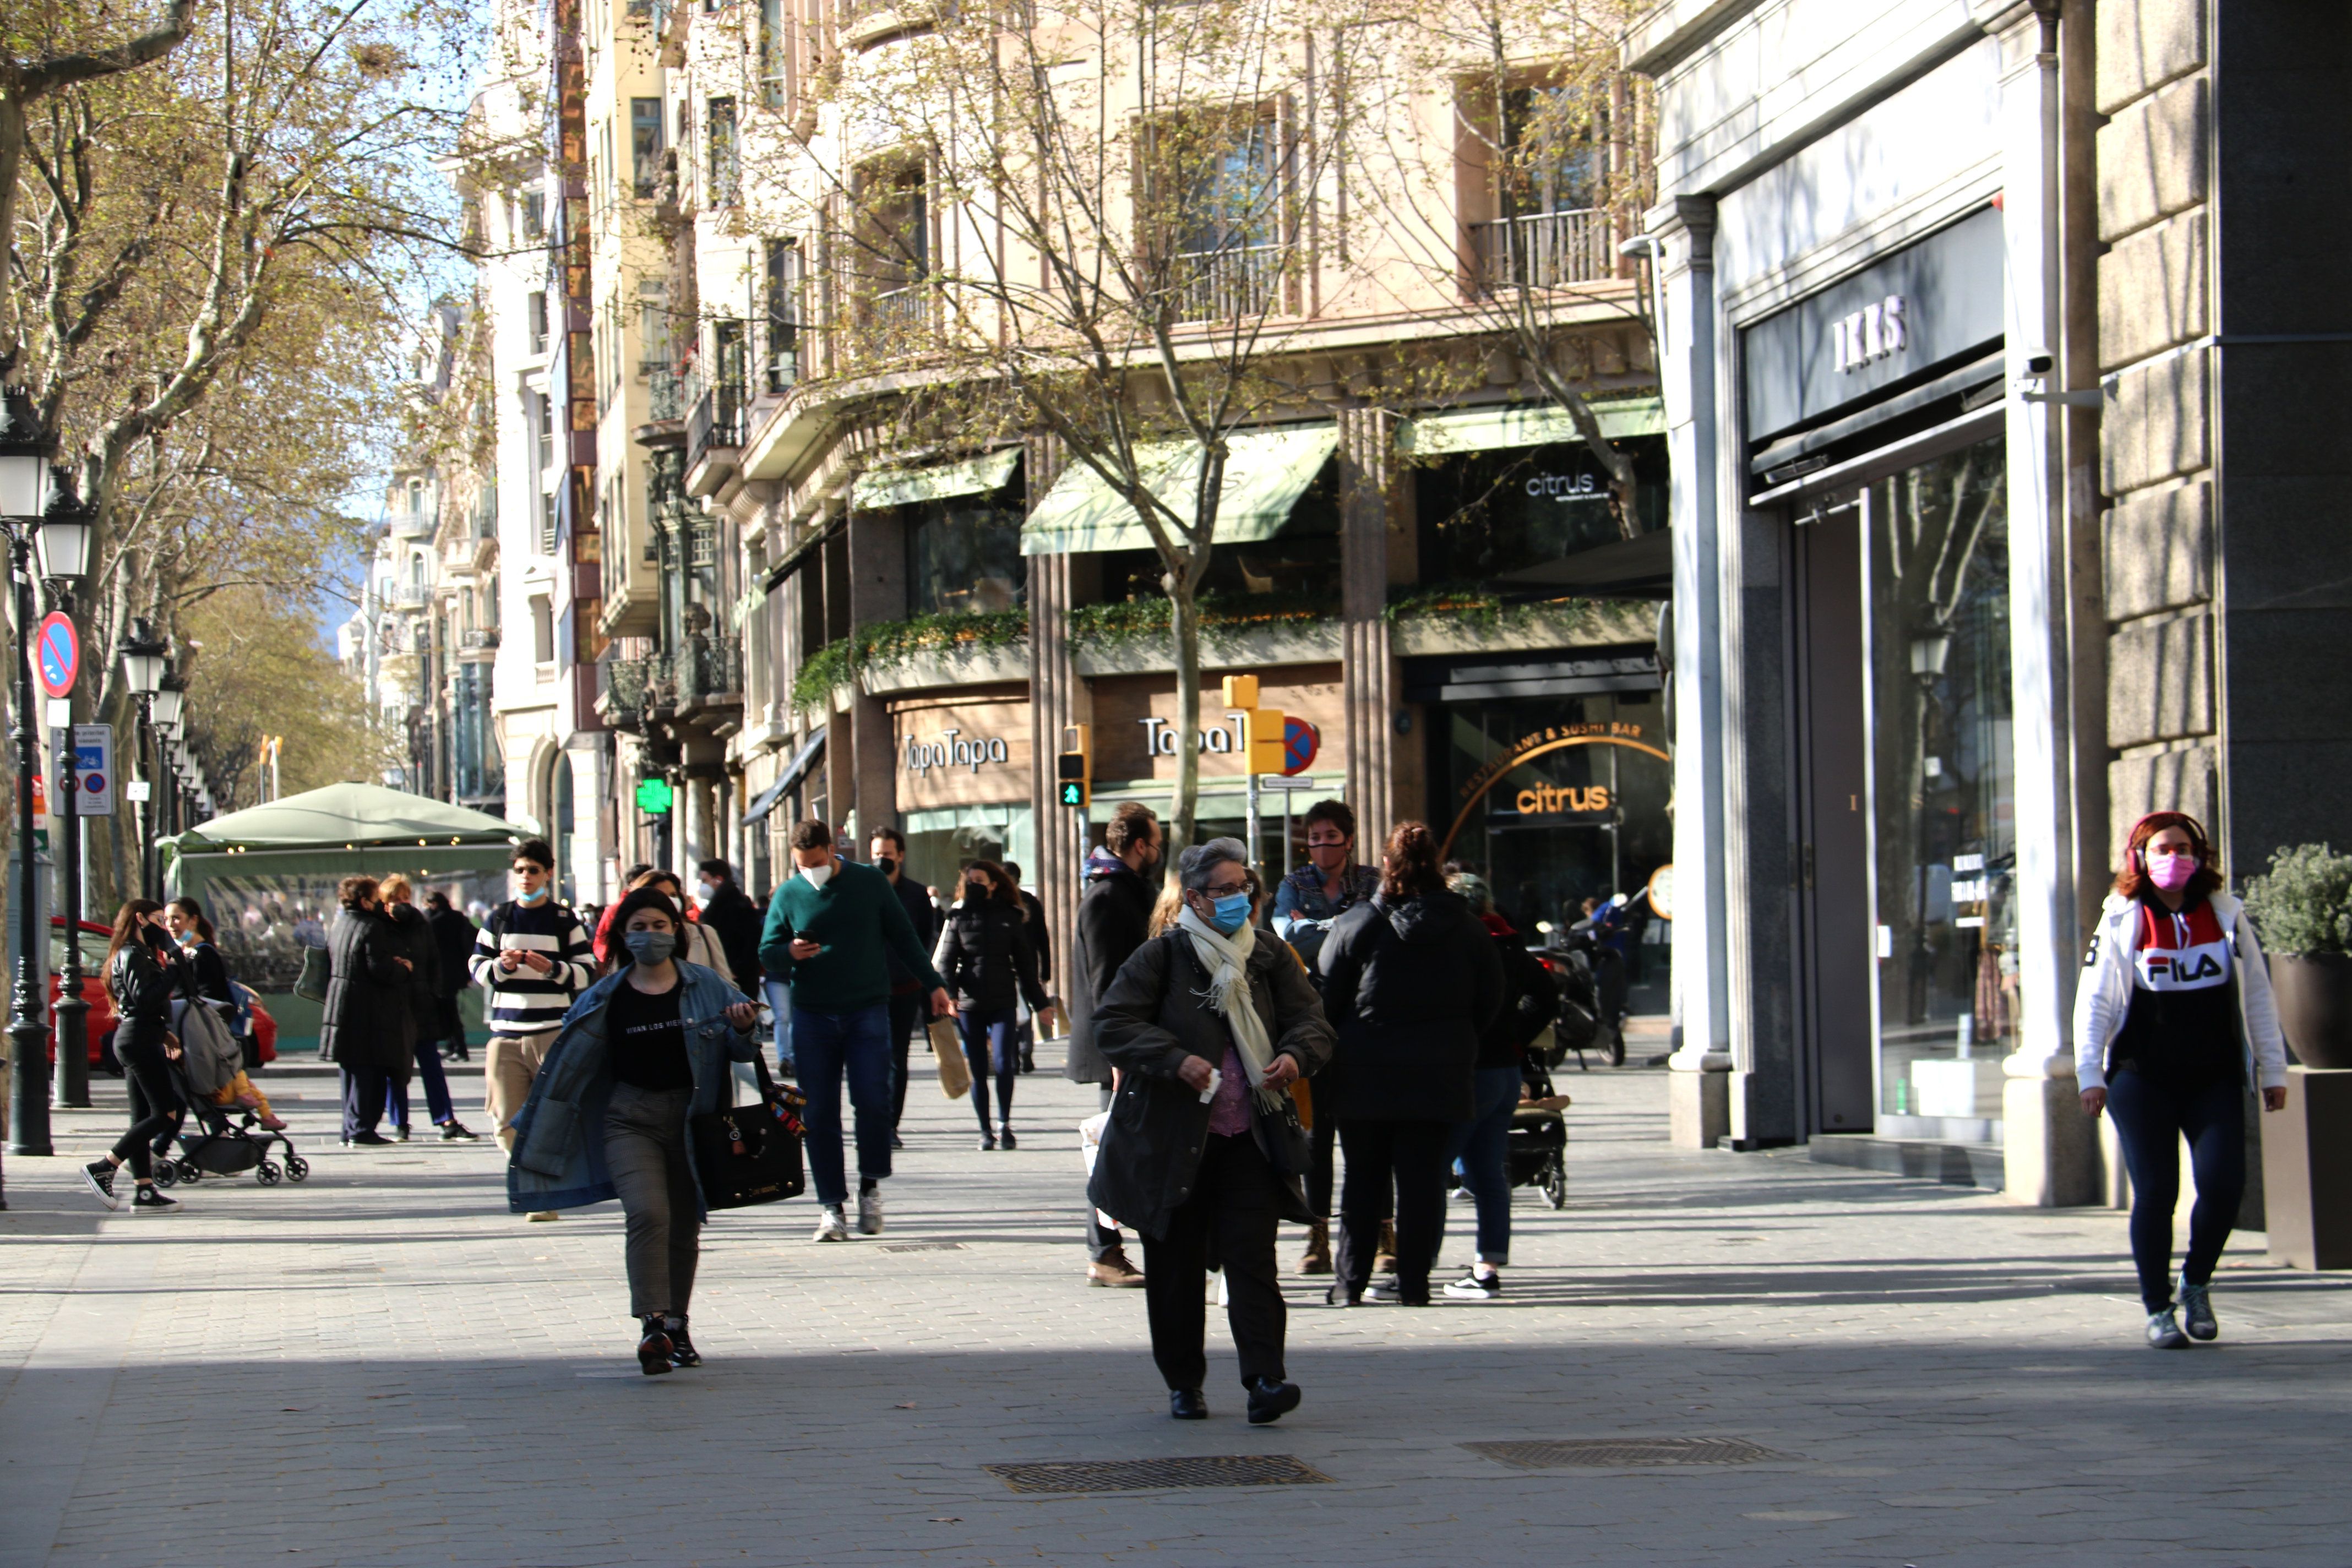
[{"x": 1184, "y": 627}]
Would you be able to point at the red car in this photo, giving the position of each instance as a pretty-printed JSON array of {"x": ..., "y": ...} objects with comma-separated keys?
[{"x": 94, "y": 938}]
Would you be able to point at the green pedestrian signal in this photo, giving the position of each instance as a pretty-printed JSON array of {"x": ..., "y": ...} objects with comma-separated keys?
[
  {"x": 654, "y": 797},
  {"x": 1074, "y": 792}
]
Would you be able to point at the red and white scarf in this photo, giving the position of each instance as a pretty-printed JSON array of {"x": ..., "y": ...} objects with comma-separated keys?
[{"x": 2181, "y": 952}]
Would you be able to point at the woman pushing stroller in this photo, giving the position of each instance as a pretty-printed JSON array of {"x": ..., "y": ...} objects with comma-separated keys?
[{"x": 143, "y": 970}]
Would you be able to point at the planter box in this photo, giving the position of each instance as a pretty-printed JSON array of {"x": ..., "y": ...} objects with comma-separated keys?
[
  {"x": 1221, "y": 648},
  {"x": 2314, "y": 1006},
  {"x": 1609, "y": 624},
  {"x": 2307, "y": 1172},
  {"x": 973, "y": 664}
]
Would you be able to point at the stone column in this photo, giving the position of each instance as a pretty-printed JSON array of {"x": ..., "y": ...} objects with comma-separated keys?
[
  {"x": 877, "y": 593},
  {"x": 1056, "y": 698},
  {"x": 1698, "y": 1090},
  {"x": 1370, "y": 679}
]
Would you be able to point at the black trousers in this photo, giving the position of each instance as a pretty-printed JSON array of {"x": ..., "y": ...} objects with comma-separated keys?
[
  {"x": 1319, "y": 1167},
  {"x": 906, "y": 1012},
  {"x": 364, "y": 1097},
  {"x": 2152, "y": 1115},
  {"x": 1232, "y": 1207},
  {"x": 1413, "y": 1155},
  {"x": 1102, "y": 1240},
  {"x": 155, "y": 1099},
  {"x": 449, "y": 1028}
]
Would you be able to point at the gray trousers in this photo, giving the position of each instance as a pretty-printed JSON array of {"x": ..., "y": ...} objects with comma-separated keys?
[{"x": 644, "y": 1148}]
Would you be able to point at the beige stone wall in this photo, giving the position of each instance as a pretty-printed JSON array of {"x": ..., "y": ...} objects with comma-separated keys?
[{"x": 2154, "y": 85}]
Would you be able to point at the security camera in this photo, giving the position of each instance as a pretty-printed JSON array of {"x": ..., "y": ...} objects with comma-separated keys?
[{"x": 2038, "y": 363}]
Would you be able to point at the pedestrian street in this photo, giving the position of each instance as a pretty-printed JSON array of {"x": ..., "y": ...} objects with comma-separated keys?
[{"x": 382, "y": 1367}]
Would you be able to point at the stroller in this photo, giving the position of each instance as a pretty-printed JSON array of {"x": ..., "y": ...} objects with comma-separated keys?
[
  {"x": 228, "y": 1141},
  {"x": 1535, "y": 1153}
]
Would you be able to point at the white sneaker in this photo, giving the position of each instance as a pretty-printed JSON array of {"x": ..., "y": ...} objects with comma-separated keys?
[
  {"x": 830, "y": 1225},
  {"x": 869, "y": 1211}
]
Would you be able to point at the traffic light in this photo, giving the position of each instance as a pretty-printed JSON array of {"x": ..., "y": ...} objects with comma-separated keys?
[
  {"x": 1241, "y": 691},
  {"x": 1074, "y": 769},
  {"x": 1262, "y": 728}
]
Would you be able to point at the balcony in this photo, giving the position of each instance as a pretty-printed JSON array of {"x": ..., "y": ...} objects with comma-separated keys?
[
  {"x": 477, "y": 645},
  {"x": 665, "y": 391},
  {"x": 408, "y": 595},
  {"x": 706, "y": 672},
  {"x": 625, "y": 692},
  {"x": 419, "y": 524},
  {"x": 1544, "y": 250},
  {"x": 714, "y": 433},
  {"x": 1234, "y": 283}
]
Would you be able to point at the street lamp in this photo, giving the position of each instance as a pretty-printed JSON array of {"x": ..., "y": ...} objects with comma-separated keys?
[
  {"x": 28, "y": 486},
  {"x": 144, "y": 656},
  {"x": 171, "y": 696},
  {"x": 62, "y": 547}
]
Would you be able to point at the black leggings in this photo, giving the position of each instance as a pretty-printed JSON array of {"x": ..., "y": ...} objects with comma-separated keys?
[
  {"x": 154, "y": 1098},
  {"x": 2152, "y": 1115},
  {"x": 988, "y": 1043},
  {"x": 1411, "y": 1155}
]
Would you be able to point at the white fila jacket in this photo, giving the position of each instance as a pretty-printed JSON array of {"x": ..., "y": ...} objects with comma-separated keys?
[{"x": 2112, "y": 967}]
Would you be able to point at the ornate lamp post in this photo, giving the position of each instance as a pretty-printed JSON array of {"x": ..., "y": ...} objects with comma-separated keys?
[
  {"x": 28, "y": 487},
  {"x": 63, "y": 546},
  {"x": 144, "y": 656}
]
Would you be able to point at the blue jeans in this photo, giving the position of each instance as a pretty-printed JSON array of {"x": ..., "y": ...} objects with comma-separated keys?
[
  {"x": 1483, "y": 1145},
  {"x": 827, "y": 1048},
  {"x": 436, "y": 1087},
  {"x": 988, "y": 1041}
]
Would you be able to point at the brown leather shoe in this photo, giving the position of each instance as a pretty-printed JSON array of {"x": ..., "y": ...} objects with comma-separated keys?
[
  {"x": 1116, "y": 1273},
  {"x": 1316, "y": 1259}
]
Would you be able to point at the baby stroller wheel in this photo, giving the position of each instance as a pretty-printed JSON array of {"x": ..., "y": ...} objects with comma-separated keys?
[
  {"x": 268, "y": 1172},
  {"x": 297, "y": 1167},
  {"x": 189, "y": 1173},
  {"x": 1554, "y": 1181},
  {"x": 166, "y": 1173}
]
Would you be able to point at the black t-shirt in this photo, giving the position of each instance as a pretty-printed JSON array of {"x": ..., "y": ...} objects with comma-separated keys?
[{"x": 648, "y": 1043}]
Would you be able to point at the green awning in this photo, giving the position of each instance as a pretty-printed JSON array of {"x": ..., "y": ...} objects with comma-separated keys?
[
  {"x": 903, "y": 487},
  {"x": 1265, "y": 473},
  {"x": 1526, "y": 424},
  {"x": 347, "y": 816}
]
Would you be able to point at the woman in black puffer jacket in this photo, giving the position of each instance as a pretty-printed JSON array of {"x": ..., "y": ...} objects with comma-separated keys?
[
  {"x": 985, "y": 957},
  {"x": 1411, "y": 982}
]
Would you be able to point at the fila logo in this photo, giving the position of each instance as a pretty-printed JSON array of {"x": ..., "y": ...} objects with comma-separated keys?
[{"x": 2184, "y": 969}]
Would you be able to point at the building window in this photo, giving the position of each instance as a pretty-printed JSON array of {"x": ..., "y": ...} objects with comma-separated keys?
[
  {"x": 786, "y": 277},
  {"x": 718, "y": 128},
  {"x": 1549, "y": 168},
  {"x": 893, "y": 248},
  {"x": 1224, "y": 176},
  {"x": 964, "y": 555},
  {"x": 645, "y": 147},
  {"x": 774, "y": 85},
  {"x": 535, "y": 311},
  {"x": 542, "y": 631},
  {"x": 534, "y": 215},
  {"x": 654, "y": 350}
]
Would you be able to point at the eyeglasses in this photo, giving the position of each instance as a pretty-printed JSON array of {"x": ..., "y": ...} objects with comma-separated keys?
[{"x": 1227, "y": 891}]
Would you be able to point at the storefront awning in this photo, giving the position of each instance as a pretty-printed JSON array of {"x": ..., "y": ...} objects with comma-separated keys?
[
  {"x": 1526, "y": 424},
  {"x": 1265, "y": 473},
  {"x": 765, "y": 801},
  {"x": 903, "y": 487}
]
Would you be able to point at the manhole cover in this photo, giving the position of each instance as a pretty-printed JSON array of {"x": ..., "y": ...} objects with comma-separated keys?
[
  {"x": 1624, "y": 1452},
  {"x": 1142, "y": 1475},
  {"x": 922, "y": 1246}
]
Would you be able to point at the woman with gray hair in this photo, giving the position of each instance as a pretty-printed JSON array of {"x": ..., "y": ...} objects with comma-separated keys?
[{"x": 1210, "y": 1024}]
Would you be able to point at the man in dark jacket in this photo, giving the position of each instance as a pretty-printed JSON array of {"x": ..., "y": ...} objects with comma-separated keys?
[
  {"x": 415, "y": 940},
  {"x": 1033, "y": 914},
  {"x": 1194, "y": 1149},
  {"x": 365, "y": 1027},
  {"x": 452, "y": 943},
  {"x": 887, "y": 850},
  {"x": 1114, "y": 917},
  {"x": 730, "y": 915}
]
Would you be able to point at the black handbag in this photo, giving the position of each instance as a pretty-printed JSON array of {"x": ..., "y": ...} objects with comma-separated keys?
[
  {"x": 312, "y": 983},
  {"x": 747, "y": 1154}
]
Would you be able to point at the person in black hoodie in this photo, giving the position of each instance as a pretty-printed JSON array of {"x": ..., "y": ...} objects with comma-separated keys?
[
  {"x": 985, "y": 957},
  {"x": 1114, "y": 920},
  {"x": 366, "y": 1024},
  {"x": 1411, "y": 983},
  {"x": 453, "y": 946},
  {"x": 415, "y": 940}
]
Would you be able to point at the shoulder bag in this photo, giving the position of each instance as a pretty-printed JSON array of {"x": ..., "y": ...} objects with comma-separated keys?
[
  {"x": 747, "y": 1154},
  {"x": 312, "y": 983}
]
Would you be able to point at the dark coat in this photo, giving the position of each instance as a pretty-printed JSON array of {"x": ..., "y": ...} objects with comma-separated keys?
[
  {"x": 985, "y": 957},
  {"x": 734, "y": 920},
  {"x": 1411, "y": 984},
  {"x": 366, "y": 1020},
  {"x": 924, "y": 916},
  {"x": 1114, "y": 920},
  {"x": 1153, "y": 1015},
  {"x": 1531, "y": 1002},
  {"x": 1040, "y": 941},
  {"x": 413, "y": 940},
  {"x": 453, "y": 941}
]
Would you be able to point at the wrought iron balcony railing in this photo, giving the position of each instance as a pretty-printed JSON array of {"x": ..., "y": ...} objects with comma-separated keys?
[
  {"x": 1545, "y": 250},
  {"x": 624, "y": 691},
  {"x": 716, "y": 421},
  {"x": 1232, "y": 283},
  {"x": 708, "y": 665}
]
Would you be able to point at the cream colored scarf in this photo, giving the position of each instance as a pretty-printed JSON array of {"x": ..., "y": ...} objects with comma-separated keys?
[{"x": 1227, "y": 958}]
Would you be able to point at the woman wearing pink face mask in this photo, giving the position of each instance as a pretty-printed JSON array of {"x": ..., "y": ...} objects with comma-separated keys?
[{"x": 2176, "y": 998}]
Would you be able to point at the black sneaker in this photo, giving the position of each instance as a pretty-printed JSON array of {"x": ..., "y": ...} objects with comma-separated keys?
[
  {"x": 681, "y": 1349},
  {"x": 151, "y": 1200},
  {"x": 367, "y": 1140},
  {"x": 456, "y": 1131},
  {"x": 98, "y": 1177},
  {"x": 1004, "y": 1139},
  {"x": 404, "y": 1134},
  {"x": 987, "y": 1141},
  {"x": 1476, "y": 1287}
]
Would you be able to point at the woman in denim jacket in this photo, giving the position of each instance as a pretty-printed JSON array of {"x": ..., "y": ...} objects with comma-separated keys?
[{"x": 642, "y": 1051}]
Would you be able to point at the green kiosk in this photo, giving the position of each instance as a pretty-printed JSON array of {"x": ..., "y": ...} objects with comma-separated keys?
[{"x": 266, "y": 879}]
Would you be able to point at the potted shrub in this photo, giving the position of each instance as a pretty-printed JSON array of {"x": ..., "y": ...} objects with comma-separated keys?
[{"x": 2302, "y": 908}]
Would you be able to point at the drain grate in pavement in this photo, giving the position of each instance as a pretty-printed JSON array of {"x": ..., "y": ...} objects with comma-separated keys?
[
  {"x": 1144, "y": 1474},
  {"x": 1625, "y": 1453},
  {"x": 922, "y": 1246}
]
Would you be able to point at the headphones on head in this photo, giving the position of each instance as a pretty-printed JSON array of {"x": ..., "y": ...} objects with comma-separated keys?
[{"x": 2201, "y": 841}]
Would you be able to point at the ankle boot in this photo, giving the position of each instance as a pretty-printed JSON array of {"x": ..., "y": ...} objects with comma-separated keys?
[
  {"x": 1317, "y": 1260},
  {"x": 653, "y": 1349}
]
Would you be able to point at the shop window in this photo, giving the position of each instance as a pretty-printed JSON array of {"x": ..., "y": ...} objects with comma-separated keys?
[
  {"x": 964, "y": 555},
  {"x": 1486, "y": 513},
  {"x": 1302, "y": 559}
]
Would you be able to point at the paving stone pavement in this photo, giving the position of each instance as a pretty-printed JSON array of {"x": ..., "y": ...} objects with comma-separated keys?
[{"x": 382, "y": 1367}]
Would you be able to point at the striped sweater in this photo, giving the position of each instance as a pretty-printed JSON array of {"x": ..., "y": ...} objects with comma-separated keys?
[{"x": 523, "y": 1001}]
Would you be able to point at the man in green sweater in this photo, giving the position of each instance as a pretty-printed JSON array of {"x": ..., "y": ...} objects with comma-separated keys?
[{"x": 827, "y": 931}]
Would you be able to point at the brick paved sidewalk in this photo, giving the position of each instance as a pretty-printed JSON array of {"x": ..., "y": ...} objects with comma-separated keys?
[{"x": 382, "y": 1367}]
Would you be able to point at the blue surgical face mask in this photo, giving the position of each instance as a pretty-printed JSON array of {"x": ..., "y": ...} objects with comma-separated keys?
[
  {"x": 531, "y": 898},
  {"x": 650, "y": 946},
  {"x": 1230, "y": 912}
]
